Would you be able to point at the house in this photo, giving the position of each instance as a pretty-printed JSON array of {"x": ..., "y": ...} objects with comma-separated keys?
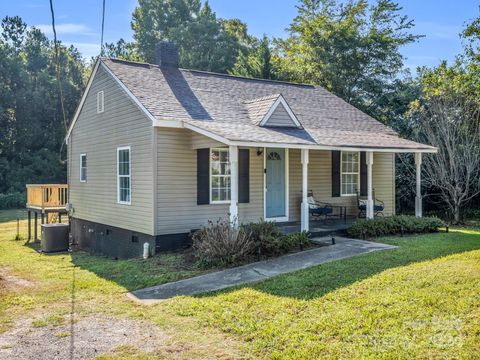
[{"x": 155, "y": 151}]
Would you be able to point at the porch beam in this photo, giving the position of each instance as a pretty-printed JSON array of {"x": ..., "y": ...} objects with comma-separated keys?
[
  {"x": 418, "y": 197},
  {"x": 370, "y": 200},
  {"x": 233, "y": 156},
  {"x": 305, "y": 223}
]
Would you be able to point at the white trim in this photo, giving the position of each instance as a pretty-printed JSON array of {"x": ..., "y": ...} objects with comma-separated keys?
[
  {"x": 418, "y": 185},
  {"x": 280, "y": 100},
  {"x": 210, "y": 176},
  {"x": 100, "y": 102},
  {"x": 154, "y": 180},
  {"x": 129, "y": 175},
  {"x": 287, "y": 187},
  {"x": 305, "y": 213},
  {"x": 300, "y": 146},
  {"x": 233, "y": 160},
  {"x": 370, "y": 200},
  {"x": 84, "y": 154},
  {"x": 351, "y": 173},
  {"x": 207, "y": 133},
  {"x": 82, "y": 101},
  {"x": 129, "y": 93}
]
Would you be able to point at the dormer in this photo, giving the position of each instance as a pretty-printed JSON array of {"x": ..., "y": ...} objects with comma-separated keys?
[{"x": 272, "y": 111}]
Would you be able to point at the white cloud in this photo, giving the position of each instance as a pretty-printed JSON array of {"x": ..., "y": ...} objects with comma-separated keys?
[
  {"x": 63, "y": 29},
  {"x": 87, "y": 50},
  {"x": 436, "y": 30}
]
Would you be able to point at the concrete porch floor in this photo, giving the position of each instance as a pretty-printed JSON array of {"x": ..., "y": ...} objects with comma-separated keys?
[{"x": 320, "y": 227}]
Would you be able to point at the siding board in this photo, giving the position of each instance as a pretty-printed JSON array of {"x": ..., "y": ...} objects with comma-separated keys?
[{"x": 98, "y": 135}]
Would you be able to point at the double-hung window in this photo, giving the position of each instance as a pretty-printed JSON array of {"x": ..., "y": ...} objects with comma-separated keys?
[
  {"x": 83, "y": 167},
  {"x": 219, "y": 176},
  {"x": 124, "y": 180},
  {"x": 350, "y": 172}
]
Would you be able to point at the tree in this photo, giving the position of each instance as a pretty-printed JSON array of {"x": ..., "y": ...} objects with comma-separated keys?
[
  {"x": 257, "y": 62},
  {"x": 203, "y": 40},
  {"x": 351, "y": 49},
  {"x": 31, "y": 119},
  {"x": 448, "y": 117},
  {"x": 122, "y": 50}
]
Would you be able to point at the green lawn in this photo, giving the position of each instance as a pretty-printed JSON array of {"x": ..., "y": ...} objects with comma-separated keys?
[{"x": 420, "y": 300}]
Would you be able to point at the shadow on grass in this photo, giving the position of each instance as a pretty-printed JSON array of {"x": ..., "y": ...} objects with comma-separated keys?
[
  {"x": 309, "y": 283},
  {"x": 319, "y": 280}
]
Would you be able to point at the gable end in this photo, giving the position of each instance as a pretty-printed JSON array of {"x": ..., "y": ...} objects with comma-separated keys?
[{"x": 280, "y": 115}]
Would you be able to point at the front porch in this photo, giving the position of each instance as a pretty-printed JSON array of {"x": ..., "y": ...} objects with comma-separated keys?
[{"x": 319, "y": 227}]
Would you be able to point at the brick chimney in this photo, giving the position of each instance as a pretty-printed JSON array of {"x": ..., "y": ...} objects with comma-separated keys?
[{"x": 166, "y": 54}]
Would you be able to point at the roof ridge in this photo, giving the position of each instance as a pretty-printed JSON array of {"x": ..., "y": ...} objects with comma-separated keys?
[{"x": 213, "y": 73}]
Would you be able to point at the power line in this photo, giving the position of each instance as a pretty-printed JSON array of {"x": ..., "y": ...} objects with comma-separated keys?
[
  {"x": 103, "y": 26},
  {"x": 57, "y": 66}
]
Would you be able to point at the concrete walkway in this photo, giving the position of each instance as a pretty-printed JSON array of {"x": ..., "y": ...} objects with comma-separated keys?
[{"x": 344, "y": 248}]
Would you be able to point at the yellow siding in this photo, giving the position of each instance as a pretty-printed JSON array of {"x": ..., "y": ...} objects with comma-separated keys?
[
  {"x": 98, "y": 135},
  {"x": 178, "y": 211}
]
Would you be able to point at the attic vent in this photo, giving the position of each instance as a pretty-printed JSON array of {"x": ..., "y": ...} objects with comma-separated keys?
[{"x": 100, "y": 102}]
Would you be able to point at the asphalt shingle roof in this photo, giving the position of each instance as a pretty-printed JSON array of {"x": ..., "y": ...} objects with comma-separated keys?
[{"x": 232, "y": 107}]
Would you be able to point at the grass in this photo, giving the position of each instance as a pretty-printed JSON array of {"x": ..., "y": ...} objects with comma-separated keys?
[{"x": 420, "y": 300}]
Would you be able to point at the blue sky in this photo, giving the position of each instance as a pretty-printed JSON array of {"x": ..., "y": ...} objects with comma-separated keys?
[{"x": 78, "y": 22}]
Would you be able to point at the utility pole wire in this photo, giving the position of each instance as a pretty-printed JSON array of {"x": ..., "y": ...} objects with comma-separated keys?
[
  {"x": 103, "y": 26},
  {"x": 57, "y": 67}
]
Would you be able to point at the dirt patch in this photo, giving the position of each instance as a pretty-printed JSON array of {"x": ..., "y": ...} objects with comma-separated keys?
[
  {"x": 12, "y": 282},
  {"x": 85, "y": 339}
]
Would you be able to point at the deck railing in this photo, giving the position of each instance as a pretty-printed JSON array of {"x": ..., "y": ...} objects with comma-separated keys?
[{"x": 47, "y": 196}]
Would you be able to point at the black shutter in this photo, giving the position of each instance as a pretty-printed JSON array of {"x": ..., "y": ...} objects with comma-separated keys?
[
  {"x": 243, "y": 175},
  {"x": 363, "y": 173},
  {"x": 336, "y": 158},
  {"x": 203, "y": 176}
]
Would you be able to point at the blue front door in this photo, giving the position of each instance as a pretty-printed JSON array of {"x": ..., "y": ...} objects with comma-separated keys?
[{"x": 275, "y": 183}]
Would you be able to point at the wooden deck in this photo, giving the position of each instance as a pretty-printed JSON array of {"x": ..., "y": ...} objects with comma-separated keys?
[{"x": 45, "y": 199}]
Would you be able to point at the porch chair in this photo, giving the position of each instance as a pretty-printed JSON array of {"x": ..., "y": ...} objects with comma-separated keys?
[
  {"x": 318, "y": 209},
  {"x": 378, "y": 206}
]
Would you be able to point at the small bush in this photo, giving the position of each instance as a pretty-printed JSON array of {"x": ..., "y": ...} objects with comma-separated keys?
[
  {"x": 220, "y": 244},
  {"x": 12, "y": 200},
  {"x": 393, "y": 225},
  {"x": 265, "y": 235},
  {"x": 271, "y": 240},
  {"x": 295, "y": 240}
]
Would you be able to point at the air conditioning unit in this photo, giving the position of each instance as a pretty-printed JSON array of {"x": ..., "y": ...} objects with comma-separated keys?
[{"x": 54, "y": 237}]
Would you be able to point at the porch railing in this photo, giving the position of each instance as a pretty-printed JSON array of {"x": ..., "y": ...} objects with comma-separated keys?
[{"x": 47, "y": 196}]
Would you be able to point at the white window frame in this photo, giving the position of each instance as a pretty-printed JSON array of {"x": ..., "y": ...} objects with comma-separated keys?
[
  {"x": 349, "y": 173},
  {"x": 81, "y": 167},
  {"x": 100, "y": 102},
  {"x": 210, "y": 175},
  {"x": 129, "y": 175}
]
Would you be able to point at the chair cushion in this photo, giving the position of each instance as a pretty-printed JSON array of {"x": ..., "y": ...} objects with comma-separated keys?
[{"x": 321, "y": 211}]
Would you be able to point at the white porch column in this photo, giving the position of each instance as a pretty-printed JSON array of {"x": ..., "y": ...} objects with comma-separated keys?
[
  {"x": 305, "y": 223},
  {"x": 418, "y": 198},
  {"x": 233, "y": 156},
  {"x": 370, "y": 200}
]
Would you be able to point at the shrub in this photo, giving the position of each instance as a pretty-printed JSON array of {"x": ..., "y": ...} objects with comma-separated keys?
[
  {"x": 295, "y": 240},
  {"x": 265, "y": 235},
  {"x": 271, "y": 240},
  {"x": 12, "y": 200},
  {"x": 393, "y": 225},
  {"x": 220, "y": 244}
]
